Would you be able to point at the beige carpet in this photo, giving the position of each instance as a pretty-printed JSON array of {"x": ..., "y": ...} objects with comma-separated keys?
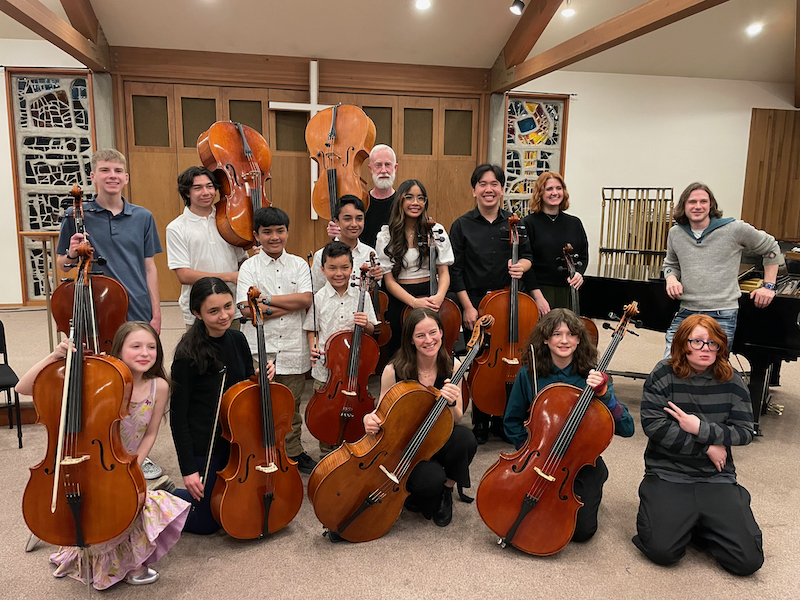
[{"x": 416, "y": 559}]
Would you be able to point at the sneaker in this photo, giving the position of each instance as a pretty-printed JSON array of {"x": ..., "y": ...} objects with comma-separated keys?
[
  {"x": 149, "y": 576},
  {"x": 305, "y": 464},
  {"x": 150, "y": 469}
]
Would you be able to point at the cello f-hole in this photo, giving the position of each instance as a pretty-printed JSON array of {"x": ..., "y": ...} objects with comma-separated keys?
[
  {"x": 229, "y": 167},
  {"x": 246, "y": 469},
  {"x": 525, "y": 464},
  {"x": 103, "y": 456},
  {"x": 561, "y": 494},
  {"x": 364, "y": 467}
]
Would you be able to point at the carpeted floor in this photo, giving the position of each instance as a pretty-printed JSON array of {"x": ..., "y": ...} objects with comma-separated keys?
[{"x": 416, "y": 559}]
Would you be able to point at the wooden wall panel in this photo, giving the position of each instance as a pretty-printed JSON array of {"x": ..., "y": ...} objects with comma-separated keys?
[{"x": 771, "y": 191}]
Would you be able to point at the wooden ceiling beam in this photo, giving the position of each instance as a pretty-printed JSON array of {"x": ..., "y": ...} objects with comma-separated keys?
[
  {"x": 638, "y": 21},
  {"x": 41, "y": 20},
  {"x": 81, "y": 14},
  {"x": 532, "y": 23}
]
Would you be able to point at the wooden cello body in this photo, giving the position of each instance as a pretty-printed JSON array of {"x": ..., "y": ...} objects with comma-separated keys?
[
  {"x": 107, "y": 308},
  {"x": 240, "y": 158},
  {"x": 339, "y": 139},
  {"x": 87, "y": 489},
  {"x": 335, "y": 413},
  {"x": 527, "y": 498},
  {"x": 515, "y": 313},
  {"x": 358, "y": 490},
  {"x": 380, "y": 302},
  {"x": 569, "y": 259},
  {"x": 259, "y": 491}
]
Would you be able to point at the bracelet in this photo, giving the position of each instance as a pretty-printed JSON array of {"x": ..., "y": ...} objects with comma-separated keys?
[
  {"x": 768, "y": 285},
  {"x": 269, "y": 299}
]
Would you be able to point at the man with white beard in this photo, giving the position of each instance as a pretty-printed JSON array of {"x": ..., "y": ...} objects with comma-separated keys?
[{"x": 383, "y": 166}]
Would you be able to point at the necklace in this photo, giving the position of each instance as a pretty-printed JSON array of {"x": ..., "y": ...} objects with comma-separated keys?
[{"x": 553, "y": 217}]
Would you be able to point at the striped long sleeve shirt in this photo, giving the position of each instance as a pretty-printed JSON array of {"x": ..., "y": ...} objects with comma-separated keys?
[{"x": 726, "y": 418}]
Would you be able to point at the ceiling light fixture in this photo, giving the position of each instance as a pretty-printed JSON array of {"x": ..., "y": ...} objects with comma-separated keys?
[
  {"x": 423, "y": 4},
  {"x": 517, "y": 7},
  {"x": 568, "y": 12},
  {"x": 754, "y": 29}
]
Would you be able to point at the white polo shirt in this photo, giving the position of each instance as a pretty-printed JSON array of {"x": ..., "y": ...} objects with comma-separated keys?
[
  {"x": 193, "y": 242},
  {"x": 288, "y": 274},
  {"x": 360, "y": 256}
]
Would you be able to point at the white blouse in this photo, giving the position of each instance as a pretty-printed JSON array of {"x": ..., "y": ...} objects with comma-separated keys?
[{"x": 411, "y": 270}]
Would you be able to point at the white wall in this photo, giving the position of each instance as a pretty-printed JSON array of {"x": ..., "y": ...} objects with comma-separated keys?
[
  {"x": 17, "y": 53},
  {"x": 634, "y": 130}
]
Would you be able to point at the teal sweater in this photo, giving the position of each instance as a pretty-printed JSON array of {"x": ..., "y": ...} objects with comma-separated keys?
[{"x": 522, "y": 397}]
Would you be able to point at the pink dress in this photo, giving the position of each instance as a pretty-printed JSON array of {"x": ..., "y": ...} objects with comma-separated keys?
[{"x": 152, "y": 533}]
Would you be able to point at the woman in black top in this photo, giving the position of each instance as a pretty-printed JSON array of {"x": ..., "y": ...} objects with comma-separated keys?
[
  {"x": 202, "y": 353},
  {"x": 549, "y": 229},
  {"x": 422, "y": 357}
]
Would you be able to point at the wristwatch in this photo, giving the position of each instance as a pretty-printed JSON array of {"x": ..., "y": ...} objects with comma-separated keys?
[{"x": 768, "y": 285}]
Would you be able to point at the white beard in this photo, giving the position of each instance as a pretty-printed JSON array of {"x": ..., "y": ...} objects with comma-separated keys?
[{"x": 383, "y": 183}]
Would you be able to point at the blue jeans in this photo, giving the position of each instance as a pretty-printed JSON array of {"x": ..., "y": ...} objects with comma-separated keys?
[{"x": 725, "y": 318}]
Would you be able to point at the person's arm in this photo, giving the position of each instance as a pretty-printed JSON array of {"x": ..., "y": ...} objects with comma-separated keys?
[
  {"x": 762, "y": 297},
  {"x": 604, "y": 391},
  {"x": 372, "y": 423},
  {"x": 469, "y": 312},
  {"x": 672, "y": 269},
  {"x": 289, "y": 302},
  {"x": 519, "y": 401},
  {"x": 360, "y": 318},
  {"x": 190, "y": 276},
  {"x": 149, "y": 438},
  {"x": 517, "y": 270},
  {"x": 25, "y": 384},
  {"x": 452, "y": 394},
  {"x": 151, "y": 273},
  {"x": 443, "y": 276},
  {"x": 183, "y": 378}
]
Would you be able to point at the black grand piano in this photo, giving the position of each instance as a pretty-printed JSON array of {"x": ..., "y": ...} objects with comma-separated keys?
[{"x": 763, "y": 335}]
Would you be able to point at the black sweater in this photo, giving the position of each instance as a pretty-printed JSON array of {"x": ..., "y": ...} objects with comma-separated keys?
[
  {"x": 195, "y": 396},
  {"x": 547, "y": 239}
]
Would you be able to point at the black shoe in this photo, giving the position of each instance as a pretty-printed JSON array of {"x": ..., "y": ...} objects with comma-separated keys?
[
  {"x": 305, "y": 464},
  {"x": 411, "y": 506},
  {"x": 444, "y": 514},
  {"x": 481, "y": 431}
]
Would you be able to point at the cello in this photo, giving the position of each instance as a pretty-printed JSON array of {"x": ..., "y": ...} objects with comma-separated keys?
[
  {"x": 87, "y": 489},
  {"x": 527, "y": 497},
  {"x": 358, "y": 490},
  {"x": 339, "y": 139},
  {"x": 335, "y": 413},
  {"x": 569, "y": 260},
  {"x": 380, "y": 302},
  {"x": 241, "y": 160},
  {"x": 449, "y": 313},
  {"x": 107, "y": 300},
  {"x": 259, "y": 491},
  {"x": 494, "y": 373}
]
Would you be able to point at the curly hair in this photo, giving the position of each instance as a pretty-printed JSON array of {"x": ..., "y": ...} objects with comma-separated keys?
[
  {"x": 398, "y": 246},
  {"x": 723, "y": 371},
  {"x": 405, "y": 359},
  {"x": 583, "y": 360},
  {"x": 538, "y": 192}
]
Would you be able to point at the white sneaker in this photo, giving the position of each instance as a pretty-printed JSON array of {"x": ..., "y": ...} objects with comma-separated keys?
[
  {"x": 32, "y": 541},
  {"x": 150, "y": 469},
  {"x": 149, "y": 576}
]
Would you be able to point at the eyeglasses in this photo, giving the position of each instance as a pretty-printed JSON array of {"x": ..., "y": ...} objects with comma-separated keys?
[
  {"x": 418, "y": 199},
  {"x": 698, "y": 345}
]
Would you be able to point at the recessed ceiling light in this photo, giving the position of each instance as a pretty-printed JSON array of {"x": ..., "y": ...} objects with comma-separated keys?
[
  {"x": 754, "y": 29},
  {"x": 423, "y": 4},
  {"x": 567, "y": 12}
]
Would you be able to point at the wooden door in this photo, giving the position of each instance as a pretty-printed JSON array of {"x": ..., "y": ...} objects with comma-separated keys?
[{"x": 456, "y": 157}]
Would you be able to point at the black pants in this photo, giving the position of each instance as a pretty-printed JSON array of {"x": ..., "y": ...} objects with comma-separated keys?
[
  {"x": 200, "y": 520},
  {"x": 589, "y": 488},
  {"x": 716, "y": 515},
  {"x": 394, "y": 312},
  {"x": 426, "y": 481}
]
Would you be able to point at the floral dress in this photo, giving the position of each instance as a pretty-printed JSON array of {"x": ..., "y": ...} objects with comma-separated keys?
[{"x": 157, "y": 528}]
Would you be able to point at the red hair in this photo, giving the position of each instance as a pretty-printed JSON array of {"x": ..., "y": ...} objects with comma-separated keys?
[
  {"x": 680, "y": 347},
  {"x": 538, "y": 192}
]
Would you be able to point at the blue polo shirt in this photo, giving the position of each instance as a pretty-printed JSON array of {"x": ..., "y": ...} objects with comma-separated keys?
[{"x": 124, "y": 240}]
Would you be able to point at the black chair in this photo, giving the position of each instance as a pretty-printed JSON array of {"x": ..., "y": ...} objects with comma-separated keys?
[{"x": 9, "y": 379}]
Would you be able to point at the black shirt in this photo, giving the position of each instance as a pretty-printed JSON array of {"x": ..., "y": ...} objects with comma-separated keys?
[
  {"x": 482, "y": 251},
  {"x": 547, "y": 240},
  {"x": 377, "y": 216},
  {"x": 195, "y": 395}
]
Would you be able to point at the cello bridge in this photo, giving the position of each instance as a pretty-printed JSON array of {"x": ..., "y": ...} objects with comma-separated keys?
[
  {"x": 389, "y": 475},
  {"x": 542, "y": 474},
  {"x": 69, "y": 460},
  {"x": 511, "y": 361},
  {"x": 349, "y": 393},
  {"x": 270, "y": 468}
]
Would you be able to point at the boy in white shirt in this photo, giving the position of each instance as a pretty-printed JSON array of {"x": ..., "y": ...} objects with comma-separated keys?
[
  {"x": 285, "y": 285},
  {"x": 335, "y": 304}
]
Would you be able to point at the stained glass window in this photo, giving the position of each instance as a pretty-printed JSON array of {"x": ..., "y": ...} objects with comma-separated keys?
[
  {"x": 534, "y": 134},
  {"x": 54, "y": 149}
]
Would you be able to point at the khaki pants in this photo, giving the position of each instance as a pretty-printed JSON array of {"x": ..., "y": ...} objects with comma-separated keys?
[
  {"x": 324, "y": 449},
  {"x": 296, "y": 384}
]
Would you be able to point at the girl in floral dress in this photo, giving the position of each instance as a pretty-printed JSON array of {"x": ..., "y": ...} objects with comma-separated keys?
[{"x": 158, "y": 527}]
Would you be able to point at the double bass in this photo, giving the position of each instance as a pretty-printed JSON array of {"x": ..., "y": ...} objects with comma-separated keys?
[
  {"x": 339, "y": 139},
  {"x": 527, "y": 497},
  {"x": 358, "y": 490},
  {"x": 87, "y": 489},
  {"x": 569, "y": 260},
  {"x": 449, "y": 313},
  {"x": 259, "y": 491},
  {"x": 515, "y": 313},
  {"x": 240, "y": 159},
  {"x": 107, "y": 300},
  {"x": 335, "y": 413}
]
